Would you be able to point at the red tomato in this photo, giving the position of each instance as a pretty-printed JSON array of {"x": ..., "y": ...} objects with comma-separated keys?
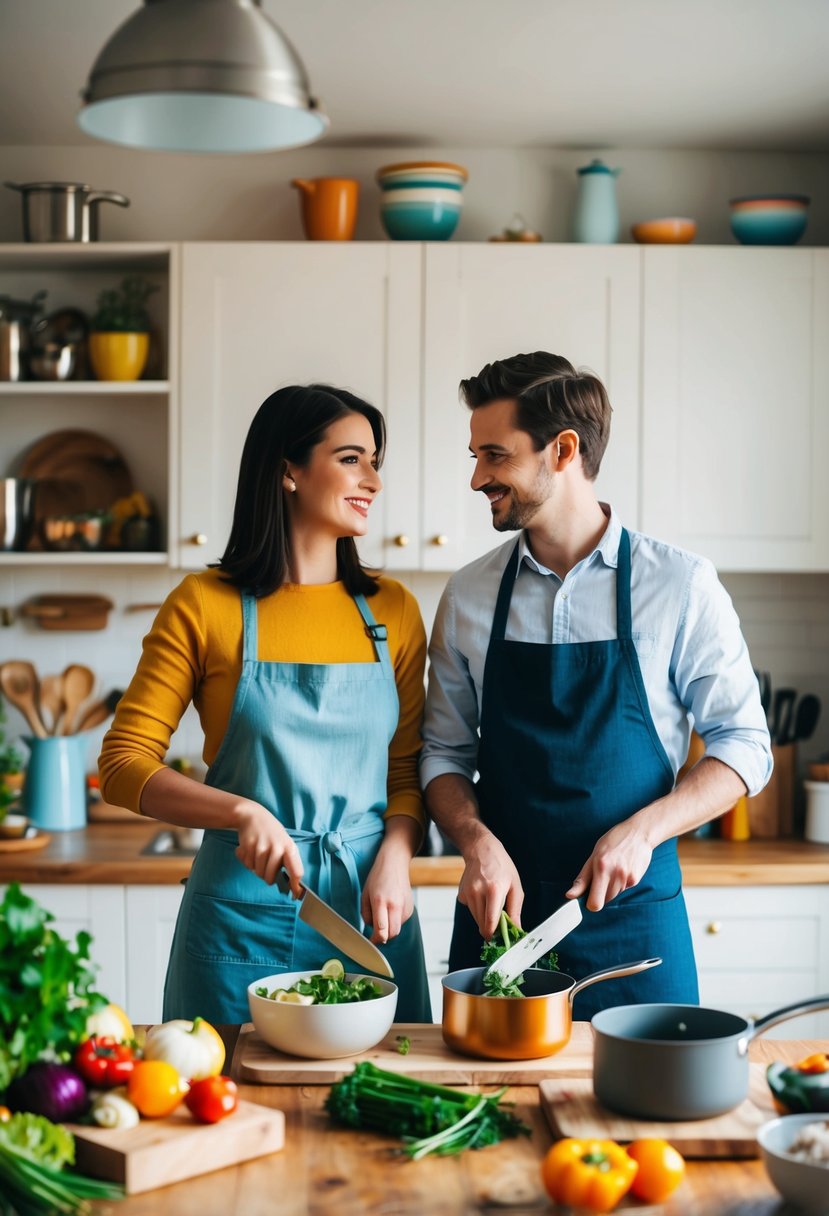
[
  {"x": 212, "y": 1099},
  {"x": 103, "y": 1062}
]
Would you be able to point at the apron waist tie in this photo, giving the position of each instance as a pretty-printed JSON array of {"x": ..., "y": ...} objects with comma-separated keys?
[{"x": 336, "y": 845}]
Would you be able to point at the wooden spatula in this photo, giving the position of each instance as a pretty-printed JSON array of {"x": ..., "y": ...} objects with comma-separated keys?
[
  {"x": 20, "y": 685},
  {"x": 51, "y": 700},
  {"x": 78, "y": 682}
]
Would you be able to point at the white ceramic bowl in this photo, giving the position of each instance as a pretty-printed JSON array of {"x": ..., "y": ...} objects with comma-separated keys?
[
  {"x": 799, "y": 1182},
  {"x": 321, "y": 1032}
]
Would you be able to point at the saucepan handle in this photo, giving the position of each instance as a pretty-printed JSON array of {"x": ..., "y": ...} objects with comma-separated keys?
[
  {"x": 611, "y": 973},
  {"x": 788, "y": 1011},
  {"x": 106, "y": 196}
]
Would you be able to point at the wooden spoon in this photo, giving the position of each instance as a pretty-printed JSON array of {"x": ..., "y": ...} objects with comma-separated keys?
[
  {"x": 21, "y": 687},
  {"x": 78, "y": 682},
  {"x": 99, "y": 711},
  {"x": 51, "y": 699}
]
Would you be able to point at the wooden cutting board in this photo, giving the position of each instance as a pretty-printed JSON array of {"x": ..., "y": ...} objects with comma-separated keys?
[
  {"x": 572, "y": 1110},
  {"x": 160, "y": 1151},
  {"x": 428, "y": 1059}
]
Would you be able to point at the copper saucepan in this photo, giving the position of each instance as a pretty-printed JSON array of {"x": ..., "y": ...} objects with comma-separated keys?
[{"x": 517, "y": 1028}]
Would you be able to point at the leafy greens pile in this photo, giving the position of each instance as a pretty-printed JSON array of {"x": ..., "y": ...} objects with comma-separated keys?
[
  {"x": 429, "y": 1118},
  {"x": 327, "y": 990},
  {"x": 46, "y": 987},
  {"x": 507, "y": 934}
]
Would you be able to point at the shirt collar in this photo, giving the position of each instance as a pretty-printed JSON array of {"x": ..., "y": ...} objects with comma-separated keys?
[{"x": 607, "y": 550}]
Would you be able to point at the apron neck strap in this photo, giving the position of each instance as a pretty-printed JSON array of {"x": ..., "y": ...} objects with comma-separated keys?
[
  {"x": 377, "y": 633},
  {"x": 499, "y": 620},
  {"x": 250, "y": 642},
  {"x": 623, "y": 613}
]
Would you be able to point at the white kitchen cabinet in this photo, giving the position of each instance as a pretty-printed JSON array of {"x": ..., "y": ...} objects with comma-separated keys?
[
  {"x": 436, "y": 911},
  {"x": 256, "y": 317},
  {"x": 736, "y": 404},
  {"x": 98, "y": 910},
  {"x": 136, "y": 416},
  {"x": 760, "y": 948},
  {"x": 150, "y": 921},
  {"x": 487, "y": 302}
]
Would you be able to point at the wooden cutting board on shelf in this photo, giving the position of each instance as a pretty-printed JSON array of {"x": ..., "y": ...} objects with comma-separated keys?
[
  {"x": 572, "y": 1110},
  {"x": 160, "y": 1151},
  {"x": 428, "y": 1059}
]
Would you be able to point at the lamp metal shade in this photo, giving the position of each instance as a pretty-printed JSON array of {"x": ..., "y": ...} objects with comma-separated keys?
[{"x": 200, "y": 76}]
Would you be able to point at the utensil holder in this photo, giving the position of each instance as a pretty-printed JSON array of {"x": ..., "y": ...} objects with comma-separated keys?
[
  {"x": 54, "y": 793},
  {"x": 771, "y": 812}
]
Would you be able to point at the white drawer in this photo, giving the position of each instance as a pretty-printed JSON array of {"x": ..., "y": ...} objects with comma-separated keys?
[
  {"x": 437, "y": 903},
  {"x": 774, "y": 929},
  {"x": 756, "y": 992}
]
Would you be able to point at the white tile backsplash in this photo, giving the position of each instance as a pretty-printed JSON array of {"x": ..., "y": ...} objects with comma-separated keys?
[{"x": 785, "y": 619}]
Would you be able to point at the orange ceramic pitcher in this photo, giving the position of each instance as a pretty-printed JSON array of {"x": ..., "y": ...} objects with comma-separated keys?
[{"x": 329, "y": 207}]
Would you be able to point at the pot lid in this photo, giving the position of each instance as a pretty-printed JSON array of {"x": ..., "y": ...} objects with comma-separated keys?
[{"x": 66, "y": 186}]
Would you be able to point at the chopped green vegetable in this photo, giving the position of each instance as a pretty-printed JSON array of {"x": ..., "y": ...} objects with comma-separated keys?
[
  {"x": 325, "y": 990},
  {"x": 30, "y": 1183},
  {"x": 403, "y": 1044},
  {"x": 429, "y": 1118},
  {"x": 507, "y": 934},
  {"x": 46, "y": 987}
]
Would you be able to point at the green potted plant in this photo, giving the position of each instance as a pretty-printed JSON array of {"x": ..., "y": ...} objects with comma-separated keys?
[
  {"x": 11, "y": 770},
  {"x": 119, "y": 339}
]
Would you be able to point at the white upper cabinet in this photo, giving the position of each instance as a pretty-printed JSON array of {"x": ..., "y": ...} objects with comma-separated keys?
[
  {"x": 736, "y": 404},
  {"x": 256, "y": 317},
  {"x": 486, "y": 302}
]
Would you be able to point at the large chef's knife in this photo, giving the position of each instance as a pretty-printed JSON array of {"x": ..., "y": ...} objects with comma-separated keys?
[
  {"x": 536, "y": 943},
  {"x": 336, "y": 929}
]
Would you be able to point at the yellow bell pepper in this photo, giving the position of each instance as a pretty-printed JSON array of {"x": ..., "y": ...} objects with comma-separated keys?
[
  {"x": 592, "y": 1174},
  {"x": 817, "y": 1063}
]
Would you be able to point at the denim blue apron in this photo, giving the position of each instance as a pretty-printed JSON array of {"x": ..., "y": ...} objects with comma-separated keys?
[
  {"x": 568, "y": 749},
  {"x": 309, "y": 741}
]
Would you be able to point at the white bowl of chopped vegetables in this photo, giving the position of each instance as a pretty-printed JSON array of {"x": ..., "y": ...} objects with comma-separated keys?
[
  {"x": 323, "y": 1014},
  {"x": 795, "y": 1151}
]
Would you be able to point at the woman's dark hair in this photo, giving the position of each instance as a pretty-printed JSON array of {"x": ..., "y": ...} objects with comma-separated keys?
[
  {"x": 550, "y": 397},
  {"x": 287, "y": 426}
]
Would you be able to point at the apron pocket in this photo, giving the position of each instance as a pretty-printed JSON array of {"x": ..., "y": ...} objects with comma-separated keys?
[{"x": 232, "y": 931}]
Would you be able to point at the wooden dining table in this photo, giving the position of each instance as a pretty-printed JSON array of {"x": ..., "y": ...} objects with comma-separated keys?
[{"x": 327, "y": 1170}]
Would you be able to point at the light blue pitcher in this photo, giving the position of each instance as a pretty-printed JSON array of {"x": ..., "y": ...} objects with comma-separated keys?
[
  {"x": 54, "y": 793},
  {"x": 596, "y": 217}
]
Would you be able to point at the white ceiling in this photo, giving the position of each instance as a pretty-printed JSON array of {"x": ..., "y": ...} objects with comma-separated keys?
[{"x": 736, "y": 74}]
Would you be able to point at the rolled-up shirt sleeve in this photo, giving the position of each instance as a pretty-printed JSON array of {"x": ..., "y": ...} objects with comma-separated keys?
[
  {"x": 450, "y": 726},
  {"x": 713, "y": 676}
]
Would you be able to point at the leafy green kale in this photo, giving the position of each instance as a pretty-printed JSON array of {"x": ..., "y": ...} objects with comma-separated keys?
[
  {"x": 507, "y": 934},
  {"x": 38, "y": 1139},
  {"x": 46, "y": 987}
]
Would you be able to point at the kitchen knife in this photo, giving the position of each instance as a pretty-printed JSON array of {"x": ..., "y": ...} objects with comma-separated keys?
[
  {"x": 536, "y": 943},
  {"x": 336, "y": 929}
]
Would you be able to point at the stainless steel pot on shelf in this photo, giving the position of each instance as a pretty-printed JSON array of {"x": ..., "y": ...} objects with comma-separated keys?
[{"x": 62, "y": 211}]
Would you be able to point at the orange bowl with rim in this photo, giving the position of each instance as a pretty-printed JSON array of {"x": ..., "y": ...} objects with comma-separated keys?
[{"x": 674, "y": 230}]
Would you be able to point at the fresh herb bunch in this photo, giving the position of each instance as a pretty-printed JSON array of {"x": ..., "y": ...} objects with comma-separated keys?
[
  {"x": 33, "y": 1182},
  {"x": 46, "y": 987},
  {"x": 124, "y": 310},
  {"x": 327, "y": 990},
  {"x": 507, "y": 934},
  {"x": 431, "y": 1119}
]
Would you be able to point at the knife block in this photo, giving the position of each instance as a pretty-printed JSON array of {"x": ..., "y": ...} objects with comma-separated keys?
[{"x": 771, "y": 812}]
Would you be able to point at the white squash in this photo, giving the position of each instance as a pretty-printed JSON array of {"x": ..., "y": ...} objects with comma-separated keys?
[{"x": 194, "y": 1048}]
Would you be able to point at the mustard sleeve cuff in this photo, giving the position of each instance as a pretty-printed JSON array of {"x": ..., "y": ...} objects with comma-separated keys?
[{"x": 409, "y": 804}]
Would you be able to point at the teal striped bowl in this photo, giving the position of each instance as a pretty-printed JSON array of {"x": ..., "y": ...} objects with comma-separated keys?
[{"x": 421, "y": 201}]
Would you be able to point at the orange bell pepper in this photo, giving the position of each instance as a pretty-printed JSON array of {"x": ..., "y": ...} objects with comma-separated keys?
[
  {"x": 817, "y": 1063},
  {"x": 592, "y": 1174}
]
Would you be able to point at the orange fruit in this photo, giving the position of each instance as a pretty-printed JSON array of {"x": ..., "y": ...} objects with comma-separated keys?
[
  {"x": 155, "y": 1088},
  {"x": 661, "y": 1169}
]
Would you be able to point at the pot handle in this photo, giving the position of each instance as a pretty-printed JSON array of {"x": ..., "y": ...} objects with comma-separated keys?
[
  {"x": 106, "y": 196},
  {"x": 610, "y": 973},
  {"x": 15, "y": 186},
  {"x": 305, "y": 186},
  {"x": 787, "y": 1011}
]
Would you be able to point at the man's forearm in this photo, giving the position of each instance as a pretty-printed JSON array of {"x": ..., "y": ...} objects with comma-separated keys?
[
  {"x": 453, "y": 806},
  {"x": 706, "y": 792}
]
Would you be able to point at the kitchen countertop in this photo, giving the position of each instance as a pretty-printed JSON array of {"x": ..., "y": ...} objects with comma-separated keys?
[
  {"x": 111, "y": 853},
  {"x": 324, "y": 1169}
]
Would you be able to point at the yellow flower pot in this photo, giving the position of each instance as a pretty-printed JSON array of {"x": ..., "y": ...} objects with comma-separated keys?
[{"x": 118, "y": 356}]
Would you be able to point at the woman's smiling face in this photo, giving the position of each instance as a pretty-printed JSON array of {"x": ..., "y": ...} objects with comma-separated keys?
[{"x": 335, "y": 490}]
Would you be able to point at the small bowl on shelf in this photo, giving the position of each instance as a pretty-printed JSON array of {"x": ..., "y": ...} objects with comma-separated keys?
[
  {"x": 14, "y": 827},
  {"x": 804, "y": 1184},
  {"x": 671, "y": 230},
  {"x": 769, "y": 219},
  {"x": 421, "y": 200}
]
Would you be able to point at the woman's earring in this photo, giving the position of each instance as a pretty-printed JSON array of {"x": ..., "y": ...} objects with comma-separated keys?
[{"x": 291, "y": 484}]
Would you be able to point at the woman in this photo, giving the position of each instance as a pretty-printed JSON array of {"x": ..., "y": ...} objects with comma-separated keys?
[{"x": 310, "y": 701}]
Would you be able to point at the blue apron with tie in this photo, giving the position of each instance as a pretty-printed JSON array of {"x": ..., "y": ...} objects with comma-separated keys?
[
  {"x": 309, "y": 741},
  {"x": 568, "y": 750}
]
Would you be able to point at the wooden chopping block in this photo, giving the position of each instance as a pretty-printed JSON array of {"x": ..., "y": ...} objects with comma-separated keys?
[{"x": 68, "y": 611}]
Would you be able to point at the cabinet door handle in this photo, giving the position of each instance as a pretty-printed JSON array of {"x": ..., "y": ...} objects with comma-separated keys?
[
  {"x": 401, "y": 540},
  {"x": 198, "y": 538},
  {"x": 713, "y": 926},
  {"x": 440, "y": 540}
]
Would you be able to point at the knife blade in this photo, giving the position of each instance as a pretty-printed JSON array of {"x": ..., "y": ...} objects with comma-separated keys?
[
  {"x": 336, "y": 929},
  {"x": 536, "y": 943}
]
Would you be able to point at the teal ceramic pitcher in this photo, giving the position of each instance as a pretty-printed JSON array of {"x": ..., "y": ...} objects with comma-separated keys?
[
  {"x": 596, "y": 218},
  {"x": 54, "y": 793}
]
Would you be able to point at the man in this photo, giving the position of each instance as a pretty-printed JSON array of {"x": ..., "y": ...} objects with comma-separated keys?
[{"x": 566, "y": 667}]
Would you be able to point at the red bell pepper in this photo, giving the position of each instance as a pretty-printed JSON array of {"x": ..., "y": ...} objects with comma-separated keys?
[
  {"x": 212, "y": 1099},
  {"x": 103, "y": 1062}
]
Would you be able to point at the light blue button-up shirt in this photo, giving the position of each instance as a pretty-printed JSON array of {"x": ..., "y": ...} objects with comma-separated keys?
[{"x": 694, "y": 660}]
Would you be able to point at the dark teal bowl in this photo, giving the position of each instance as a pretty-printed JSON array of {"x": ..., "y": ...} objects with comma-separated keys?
[
  {"x": 769, "y": 227},
  {"x": 419, "y": 221}
]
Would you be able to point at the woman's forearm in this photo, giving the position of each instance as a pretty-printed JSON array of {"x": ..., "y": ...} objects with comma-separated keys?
[{"x": 174, "y": 798}]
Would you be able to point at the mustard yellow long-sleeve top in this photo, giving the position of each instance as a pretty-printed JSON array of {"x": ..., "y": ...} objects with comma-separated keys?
[{"x": 194, "y": 653}]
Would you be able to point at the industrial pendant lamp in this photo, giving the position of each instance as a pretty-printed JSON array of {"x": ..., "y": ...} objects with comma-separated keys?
[{"x": 200, "y": 76}]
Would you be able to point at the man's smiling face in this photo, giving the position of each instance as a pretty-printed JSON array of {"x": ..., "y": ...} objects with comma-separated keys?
[{"x": 516, "y": 478}]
